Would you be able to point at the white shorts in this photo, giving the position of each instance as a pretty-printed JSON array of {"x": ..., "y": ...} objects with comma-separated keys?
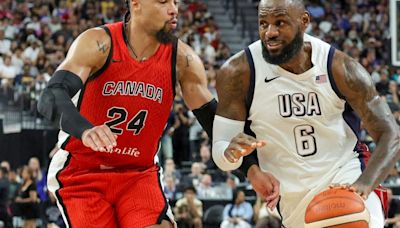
[{"x": 293, "y": 204}]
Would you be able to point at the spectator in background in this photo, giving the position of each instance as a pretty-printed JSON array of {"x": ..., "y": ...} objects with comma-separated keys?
[
  {"x": 5, "y": 44},
  {"x": 166, "y": 150},
  {"x": 27, "y": 199},
  {"x": 31, "y": 52},
  {"x": 195, "y": 136},
  {"x": 180, "y": 138},
  {"x": 7, "y": 73},
  {"x": 53, "y": 215},
  {"x": 239, "y": 213},
  {"x": 6, "y": 165},
  {"x": 13, "y": 189},
  {"x": 205, "y": 158},
  {"x": 170, "y": 190},
  {"x": 170, "y": 170},
  {"x": 206, "y": 190},
  {"x": 40, "y": 177},
  {"x": 393, "y": 220},
  {"x": 383, "y": 85},
  {"x": 193, "y": 179},
  {"x": 4, "y": 203},
  {"x": 189, "y": 210}
]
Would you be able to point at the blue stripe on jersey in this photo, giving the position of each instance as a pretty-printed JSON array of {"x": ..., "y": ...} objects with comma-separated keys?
[
  {"x": 348, "y": 115},
  {"x": 250, "y": 92},
  {"x": 330, "y": 74},
  {"x": 249, "y": 100}
]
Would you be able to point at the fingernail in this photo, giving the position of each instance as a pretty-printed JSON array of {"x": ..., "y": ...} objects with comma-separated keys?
[{"x": 114, "y": 144}]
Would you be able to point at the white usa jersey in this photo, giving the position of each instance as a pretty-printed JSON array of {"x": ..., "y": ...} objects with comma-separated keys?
[{"x": 309, "y": 129}]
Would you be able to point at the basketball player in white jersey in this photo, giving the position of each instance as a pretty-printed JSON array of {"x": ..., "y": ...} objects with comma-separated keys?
[{"x": 286, "y": 111}]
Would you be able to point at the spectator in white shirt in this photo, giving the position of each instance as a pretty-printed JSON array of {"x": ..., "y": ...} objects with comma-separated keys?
[
  {"x": 32, "y": 51},
  {"x": 5, "y": 44},
  {"x": 7, "y": 72}
]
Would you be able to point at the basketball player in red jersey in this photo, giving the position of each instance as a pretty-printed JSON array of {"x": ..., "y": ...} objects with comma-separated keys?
[{"x": 111, "y": 98}]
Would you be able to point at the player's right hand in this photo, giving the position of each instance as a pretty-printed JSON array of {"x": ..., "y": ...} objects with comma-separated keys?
[
  {"x": 242, "y": 145},
  {"x": 264, "y": 184},
  {"x": 99, "y": 138}
]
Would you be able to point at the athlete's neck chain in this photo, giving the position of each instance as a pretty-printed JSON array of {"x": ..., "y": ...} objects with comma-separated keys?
[{"x": 127, "y": 41}]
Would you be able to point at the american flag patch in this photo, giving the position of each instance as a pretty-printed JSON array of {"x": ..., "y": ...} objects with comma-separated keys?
[{"x": 321, "y": 79}]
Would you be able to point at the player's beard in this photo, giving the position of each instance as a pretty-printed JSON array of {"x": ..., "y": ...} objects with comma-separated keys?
[
  {"x": 287, "y": 52},
  {"x": 165, "y": 35}
]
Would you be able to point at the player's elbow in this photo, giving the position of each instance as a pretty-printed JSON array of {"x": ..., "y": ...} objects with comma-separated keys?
[{"x": 46, "y": 104}]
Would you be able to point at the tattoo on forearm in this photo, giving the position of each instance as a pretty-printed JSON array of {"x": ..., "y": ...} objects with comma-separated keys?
[
  {"x": 188, "y": 59},
  {"x": 101, "y": 46}
]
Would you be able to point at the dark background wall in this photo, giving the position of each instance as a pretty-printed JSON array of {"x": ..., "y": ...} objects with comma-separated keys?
[{"x": 19, "y": 147}]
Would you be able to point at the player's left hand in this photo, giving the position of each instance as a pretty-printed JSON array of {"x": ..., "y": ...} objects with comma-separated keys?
[{"x": 360, "y": 189}]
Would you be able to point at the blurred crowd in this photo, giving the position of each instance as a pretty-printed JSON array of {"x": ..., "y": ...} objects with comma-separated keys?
[{"x": 35, "y": 36}]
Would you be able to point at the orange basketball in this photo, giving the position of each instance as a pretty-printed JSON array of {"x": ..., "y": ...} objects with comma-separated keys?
[{"x": 338, "y": 208}]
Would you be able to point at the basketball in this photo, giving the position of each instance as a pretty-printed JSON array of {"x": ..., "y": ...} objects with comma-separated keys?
[{"x": 336, "y": 207}]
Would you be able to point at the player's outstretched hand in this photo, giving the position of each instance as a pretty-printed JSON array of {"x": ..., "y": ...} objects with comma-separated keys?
[
  {"x": 265, "y": 184},
  {"x": 99, "y": 138},
  {"x": 242, "y": 145}
]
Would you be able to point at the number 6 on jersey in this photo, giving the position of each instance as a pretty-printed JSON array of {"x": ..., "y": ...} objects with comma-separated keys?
[
  {"x": 120, "y": 115},
  {"x": 305, "y": 141}
]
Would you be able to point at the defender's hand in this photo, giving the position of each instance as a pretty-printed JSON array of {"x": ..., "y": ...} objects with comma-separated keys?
[
  {"x": 99, "y": 138},
  {"x": 242, "y": 145},
  {"x": 265, "y": 184}
]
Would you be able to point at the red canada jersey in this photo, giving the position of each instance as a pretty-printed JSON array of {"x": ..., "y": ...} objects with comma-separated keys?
[{"x": 134, "y": 98}]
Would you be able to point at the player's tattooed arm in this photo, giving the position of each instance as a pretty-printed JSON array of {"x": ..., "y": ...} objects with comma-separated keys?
[
  {"x": 102, "y": 46},
  {"x": 192, "y": 78},
  {"x": 88, "y": 53},
  {"x": 189, "y": 58},
  {"x": 233, "y": 81},
  {"x": 355, "y": 83}
]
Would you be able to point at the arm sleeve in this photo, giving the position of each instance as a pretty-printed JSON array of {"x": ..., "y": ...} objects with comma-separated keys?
[
  {"x": 205, "y": 115},
  {"x": 55, "y": 103},
  {"x": 223, "y": 131},
  {"x": 248, "y": 161}
]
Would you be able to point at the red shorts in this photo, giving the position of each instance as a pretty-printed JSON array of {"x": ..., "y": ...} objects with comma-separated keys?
[{"x": 107, "y": 198}]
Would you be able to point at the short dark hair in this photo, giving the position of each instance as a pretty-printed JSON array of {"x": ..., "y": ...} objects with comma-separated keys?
[
  {"x": 190, "y": 188},
  {"x": 4, "y": 171}
]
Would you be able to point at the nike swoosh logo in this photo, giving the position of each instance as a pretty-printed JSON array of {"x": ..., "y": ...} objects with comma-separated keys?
[
  {"x": 116, "y": 60},
  {"x": 269, "y": 80}
]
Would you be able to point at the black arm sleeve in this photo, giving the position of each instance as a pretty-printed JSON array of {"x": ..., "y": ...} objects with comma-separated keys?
[
  {"x": 205, "y": 115},
  {"x": 55, "y": 103},
  {"x": 252, "y": 158},
  {"x": 248, "y": 161}
]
